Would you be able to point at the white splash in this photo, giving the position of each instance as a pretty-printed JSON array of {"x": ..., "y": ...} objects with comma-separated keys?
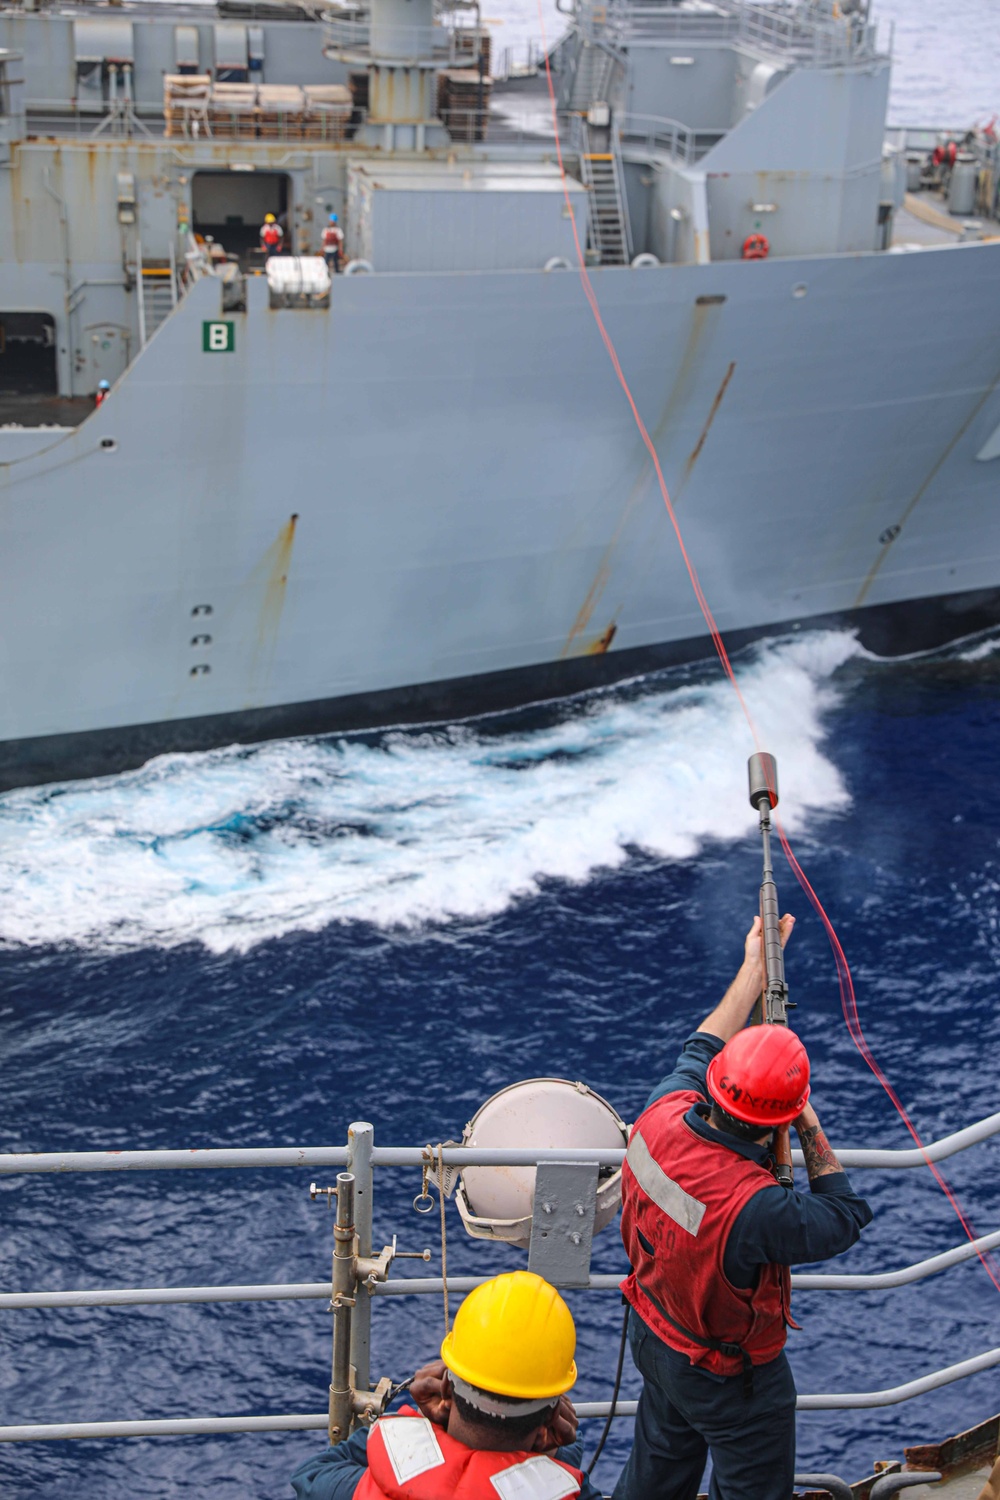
[
  {"x": 235, "y": 846},
  {"x": 982, "y": 650}
]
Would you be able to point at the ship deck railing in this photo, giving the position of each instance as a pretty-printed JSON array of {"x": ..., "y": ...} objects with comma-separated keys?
[
  {"x": 447, "y": 46},
  {"x": 506, "y": 120},
  {"x": 362, "y": 1157},
  {"x": 655, "y": 135},
  {"x": 794, "y": 33}
]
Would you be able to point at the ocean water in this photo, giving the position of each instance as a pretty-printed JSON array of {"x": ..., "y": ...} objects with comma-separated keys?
[
  {"x": 261, "y": 946},
  {"x": 258, "y": 946}
]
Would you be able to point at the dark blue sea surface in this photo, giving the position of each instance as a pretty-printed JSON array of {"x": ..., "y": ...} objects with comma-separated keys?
[{"x": 258, "y": 947}]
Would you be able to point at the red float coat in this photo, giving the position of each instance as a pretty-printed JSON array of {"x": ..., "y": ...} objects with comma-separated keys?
[
  {"x": 410, "y": 1458},
  {"x": 681, "y": 1195}
]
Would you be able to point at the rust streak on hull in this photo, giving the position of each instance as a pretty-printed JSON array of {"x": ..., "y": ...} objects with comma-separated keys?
[
  {"x": 598, "y": 647},
  {"x": 936, "y": 468},
  {"x": 679, "y": 392},
  {"x": 695, "y": 453},
  {"x": 274, "y": 568}
]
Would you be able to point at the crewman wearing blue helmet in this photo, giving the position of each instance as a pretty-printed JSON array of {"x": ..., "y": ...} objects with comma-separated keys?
[{"x": 333, "y": 244}]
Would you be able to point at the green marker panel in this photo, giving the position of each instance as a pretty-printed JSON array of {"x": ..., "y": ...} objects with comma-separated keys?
[{"x": 218, "y": 338}]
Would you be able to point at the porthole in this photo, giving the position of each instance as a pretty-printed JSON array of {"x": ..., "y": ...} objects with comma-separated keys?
[
  {"x": 201, "y": 670},
  {"x": 202, "y": 609},
  {"x": 109, "y": 444},
  {"x": 201, "y": 640}
]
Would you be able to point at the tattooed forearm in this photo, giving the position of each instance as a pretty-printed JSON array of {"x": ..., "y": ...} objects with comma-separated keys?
[{"x": 819, "y": 1154}]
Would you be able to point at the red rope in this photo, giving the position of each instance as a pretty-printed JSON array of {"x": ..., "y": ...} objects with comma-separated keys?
[{"x": 848, "y": 999}]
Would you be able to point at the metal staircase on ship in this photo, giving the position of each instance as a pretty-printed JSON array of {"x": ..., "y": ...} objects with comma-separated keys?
[
  {"x": 601, "y": 170},
  {"x": 158, "y": 298},
  {"x": 594, "y": 68}
]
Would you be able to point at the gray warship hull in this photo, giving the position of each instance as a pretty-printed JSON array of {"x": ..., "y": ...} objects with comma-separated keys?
[
  {"x": 457, "y": 513},
  {"x": 425, "y": 496}
]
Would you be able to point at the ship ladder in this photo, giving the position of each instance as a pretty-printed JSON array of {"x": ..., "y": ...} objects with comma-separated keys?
[
  {"x": 593, "y": 76},
  {"x": 602, "y": 176},
  {"x": 158, "y": 297}
]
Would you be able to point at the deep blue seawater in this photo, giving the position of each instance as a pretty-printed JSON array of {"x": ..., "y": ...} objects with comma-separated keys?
[{"x": 259, "y": 947}]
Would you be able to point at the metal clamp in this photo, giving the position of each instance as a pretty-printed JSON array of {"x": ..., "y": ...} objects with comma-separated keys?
[
  {"x": 371, "y": 1268},
  {"x": 329, "y": 1193}
]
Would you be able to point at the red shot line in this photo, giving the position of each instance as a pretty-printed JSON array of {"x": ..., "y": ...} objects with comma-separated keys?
[{"x": 848, "y": 999}]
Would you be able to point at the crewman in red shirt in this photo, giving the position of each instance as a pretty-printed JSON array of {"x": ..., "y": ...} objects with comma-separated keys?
[
  {"x": 333, "y": 244},
  {"x": 271, "y": 235},
  {"x": 710, "y": 1237}
]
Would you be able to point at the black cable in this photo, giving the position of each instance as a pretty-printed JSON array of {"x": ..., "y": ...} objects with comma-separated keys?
[
  {"x": 614, "y": 1393},
  {"x": 404, "y": 1385}
]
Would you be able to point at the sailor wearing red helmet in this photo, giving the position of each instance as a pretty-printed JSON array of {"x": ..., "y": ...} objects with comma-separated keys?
[{"x": 710, "y": 1237}]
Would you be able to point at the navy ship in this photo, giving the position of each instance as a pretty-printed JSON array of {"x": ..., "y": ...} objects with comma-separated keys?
[{"x": 314, "y": 502}]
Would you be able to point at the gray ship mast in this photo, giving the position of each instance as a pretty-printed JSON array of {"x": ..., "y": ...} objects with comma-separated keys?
[{"x": 402, "y": 49}]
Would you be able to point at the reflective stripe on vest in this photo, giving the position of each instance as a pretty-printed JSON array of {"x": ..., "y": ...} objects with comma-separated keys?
[
  {"x": 664, "y": 1191},
  {"x": 411, "y": 1446},
  {"x": 410, "y": 1458},
  {"x": 681, "y": 1195}
]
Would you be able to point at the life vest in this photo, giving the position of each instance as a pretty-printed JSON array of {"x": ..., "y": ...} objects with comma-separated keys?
[
  {"x": 333, "y": 237},
  {"x": 681, "y": 1195},
  {"x": 270, "y": 236},
  {"x": 410, "y": 1458}
]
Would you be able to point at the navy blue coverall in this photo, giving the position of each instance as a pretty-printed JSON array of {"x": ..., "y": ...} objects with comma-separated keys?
[{"x": 684, "y": 1410}]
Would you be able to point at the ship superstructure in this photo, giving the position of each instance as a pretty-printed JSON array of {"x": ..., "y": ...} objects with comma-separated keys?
[{"x": 415, "y": 489}]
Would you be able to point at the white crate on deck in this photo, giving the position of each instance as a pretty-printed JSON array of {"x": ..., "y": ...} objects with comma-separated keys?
[{"x": 298, "y": 281}]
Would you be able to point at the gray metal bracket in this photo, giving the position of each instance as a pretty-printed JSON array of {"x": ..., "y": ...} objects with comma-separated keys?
[{"x": 562, "y": 1221}]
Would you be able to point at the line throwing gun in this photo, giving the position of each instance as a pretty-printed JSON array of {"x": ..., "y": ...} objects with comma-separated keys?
[{"x": 774, "y": 1002}]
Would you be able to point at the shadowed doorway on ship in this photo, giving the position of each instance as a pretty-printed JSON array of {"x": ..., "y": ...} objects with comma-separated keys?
[{"x": 230, "y": 206}]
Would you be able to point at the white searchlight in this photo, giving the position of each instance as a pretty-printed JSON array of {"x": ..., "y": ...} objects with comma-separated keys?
[{"x": 495, "y": 1203}]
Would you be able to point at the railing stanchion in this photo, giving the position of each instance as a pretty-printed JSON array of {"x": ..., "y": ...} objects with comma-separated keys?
[
  {"x": 344, "y": 1289},
  {"x": 360, "y": 1139}
]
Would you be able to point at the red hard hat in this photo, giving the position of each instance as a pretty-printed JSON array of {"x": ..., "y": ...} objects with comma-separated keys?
[{"x": 761, "y": 1076}]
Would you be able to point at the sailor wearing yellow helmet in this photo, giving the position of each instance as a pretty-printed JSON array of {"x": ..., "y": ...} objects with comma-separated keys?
[
  {"x": 493, "y": 1420},
  {"x": 271, "y": 235}
]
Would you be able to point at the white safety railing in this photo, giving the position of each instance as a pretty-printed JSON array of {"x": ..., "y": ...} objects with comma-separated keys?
[
  {"x": 449, "y": 46},
  {"x": 797, "y": 32},
  {"x": 197, "y": 1158},
  {"x": 522, "y": 60},
  {"x": 655, "y": 135},
  {"x": 361, "y": 1156}
]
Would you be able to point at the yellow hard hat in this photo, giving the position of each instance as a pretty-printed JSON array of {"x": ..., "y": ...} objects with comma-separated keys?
[
  {"x": 513, "y": 1336},
  {"x": 269, "y": 218}
]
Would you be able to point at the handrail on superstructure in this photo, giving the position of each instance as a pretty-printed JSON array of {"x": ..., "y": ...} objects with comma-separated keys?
[{"x": 798, "y": 33}]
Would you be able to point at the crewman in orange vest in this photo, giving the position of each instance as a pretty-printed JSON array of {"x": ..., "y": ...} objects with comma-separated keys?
[
  {"x": 271, "y": 235},
  {"x": 333, "y": 244},
  {"x": 493, "y": 1421},
  {"x": 710, "y": 1237}
]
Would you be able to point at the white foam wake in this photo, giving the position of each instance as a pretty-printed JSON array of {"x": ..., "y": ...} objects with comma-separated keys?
[{"x": 234, "y": 846}]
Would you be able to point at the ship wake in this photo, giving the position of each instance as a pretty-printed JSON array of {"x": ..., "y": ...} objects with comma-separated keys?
[{"x": 413, "y": 828}]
